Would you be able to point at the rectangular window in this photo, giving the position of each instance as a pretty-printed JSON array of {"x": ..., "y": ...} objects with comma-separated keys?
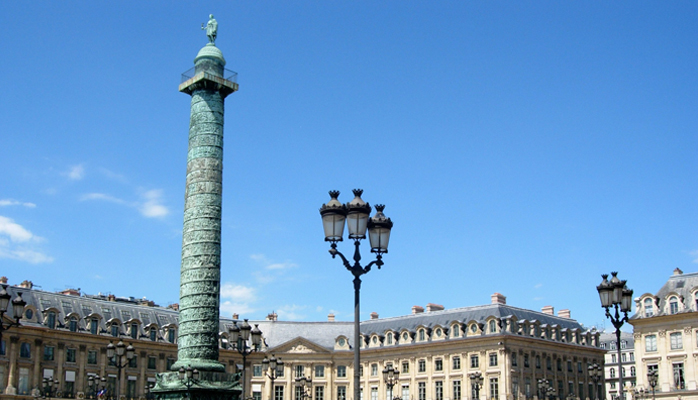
[
  {"x": 2, "y": 348},
  {"x": 456, "y": 390},
  {"x": 474, "y": 361},
  {"x": 528, "y": 387},
  {"x": 257, "y": 370},
  {"x": 134, "y": 331},
  {"x": 341, "y": 371},
  {"x": 421, "y": 391},
  {"x": 374, "y": 393},
  {"x": 92, "y": 357},
  {"x": 153, "y": 334},
  {"x": 632, "y": 356},
  {"x": 439, "y": 365},
  {"x": 93, "y": 326},
  {"x": 299, "y": 371},
  {"x": 405, "y": 367},
  {"x": 278, "y": 393},
  {"x": 23, "y": 387},
  {"x": 676, "y": 341},
  {"x": 131, "y": 389},
  {"x": 319, "y": 371},
  {"x": 677, "y": 370},
  {"x": 133, "y": 363},
  {"x": 494, "y": 388},
  {"x": 651, "y": 343},
  {"x": 299, "y": 393},
  {"x": 569, "y": 366},
  {"x": 405, "y": 392},
  {"x": 422, "y": 366},
  {"x": 73, "y": 325},
  {"x": 280, "y": 371},
  {"x": 115, "y": 330},
  {"x": 152, "y": 362},
  {"x": 49, "y": 353},
  {"x": 456, "y": 362},
  {"x": 319, "y": 393},
  {"x": 170, "y": 362},
  {"x": 70, "y": 355},
  {"x": 25, "y": 350},
  {"x": 579, "y": 367},
  {"x": 515, "y": 388},
  {"x": 514, "y": 362},
  {"x": 613, "y": 359},
  {"x": 527, "y": 363},
  {"x": 439, "y": 390},
  {"x": 171, "y": 335},
  {"x": 256, "y": 395},
  {"x": 341, "y": 393},
  {"x": 374, "y": 369},
  {"x": 493, "y": 359}
]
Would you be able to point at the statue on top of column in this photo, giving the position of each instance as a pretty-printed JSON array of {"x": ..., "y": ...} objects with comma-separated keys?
[{"x": 211, "y": 29}]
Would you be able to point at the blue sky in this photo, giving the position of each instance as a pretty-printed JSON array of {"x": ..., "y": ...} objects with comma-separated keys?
[{"x": 520, "y": 147}]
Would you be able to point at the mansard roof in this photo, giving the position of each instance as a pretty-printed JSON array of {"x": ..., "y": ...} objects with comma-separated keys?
[{"x": 680, "y": 284}]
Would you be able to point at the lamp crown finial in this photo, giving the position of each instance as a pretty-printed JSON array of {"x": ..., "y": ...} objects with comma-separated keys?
[
  {"x": 357, "y": 192},
  {"x": 334, "y": 194}
]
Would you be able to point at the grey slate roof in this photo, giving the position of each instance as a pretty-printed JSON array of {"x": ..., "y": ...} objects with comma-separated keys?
[{"x": 682, "y": 284}]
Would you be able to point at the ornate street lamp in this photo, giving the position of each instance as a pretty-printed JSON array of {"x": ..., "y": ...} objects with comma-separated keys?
[
  {"x": 148, "y": 394},
  {"x": 188, "y": 376},
  {"x": 356, "y": 216},
  {"x": 476, "y": 381},
  {"x": 390, "y": 376},
  {"x": 614, "y": 294},
  {"x": 595, "y": 374},
  {"x": 94, "y": 386},
  {"x": 652, "y": 380},
  {"x": 271, "y": 367},
  {"x": 304, "y": 383},
  {"x": 120, "y": 355},
  {"x": 17, "y": 309},
  {"x": 50, "y": 388},
  {"x": 245, "y": 340}
]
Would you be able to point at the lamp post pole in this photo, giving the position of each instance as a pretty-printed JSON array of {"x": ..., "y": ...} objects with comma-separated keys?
[
  {"x": 356, "y": 212},
  {"x": 652, "y": 380},
  {"x": 17, "y": 309},
  {"x": 476, "y": 381},
  {"x": 239, "y": 337},
  {"x": 121, "y": 356},
  {"x": 271, "y": 366},
  {"x": 390, "y": 376},
  {"x": 614, "y": 294},
  {"x": 595, "y": 375}
]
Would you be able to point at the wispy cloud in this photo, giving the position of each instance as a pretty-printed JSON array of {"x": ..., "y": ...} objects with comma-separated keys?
[
  {"x": 291, "y": 312},
  {"x": 152, "y": 207},
  {"x": 538, "y": 285},
  {"x": 113, "y": 175},
  {"x": 76, "y": 172},
  {"x": 10, "y": 202},
  {"x": 694, "y": 255},
  {"x": 237, "y": 299},
  {"x": 268, "y": 264},
  {"x": 537, "y": 298},
  {"x": 16, "y": 242}
]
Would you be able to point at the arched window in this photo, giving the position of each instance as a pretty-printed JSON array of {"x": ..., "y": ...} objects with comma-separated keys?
[
  {"x": 632, "y": 371},
  {"x": 649, "y": 310},
  {"x": 612, "y": 372},
  {"x": 115, "y": 330},
  {"x": 390, "y": 338},
  {"x": 73, "y": 324},
  {"x": 94, "y": 326},
  {"x": 51, "y": 320},
  {"x": 673, "y": 305},
  {"x": 456, "y": 331},
  {"x": 493, "y": 326},
  {"x": 422, "y": 335},
  {"x": 134, "y": 331},
  {"x": 171, "y": 335},
  {"x": 153, "y": 334}
]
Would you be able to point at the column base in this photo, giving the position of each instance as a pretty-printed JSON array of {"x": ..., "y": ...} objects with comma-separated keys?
[{"x": 209, "y": 386}]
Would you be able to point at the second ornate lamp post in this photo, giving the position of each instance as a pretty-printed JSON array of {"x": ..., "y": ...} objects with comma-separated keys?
[
  {"x": 545, "y": 389},
  {"x": 17, "y": 309},
  {"x": 614, "y": 294},
  {"x": 390, "y": 376},
  {"x": 120, "y": 355},
  {"x": 50, "y": 387},
  {"x": 271, "y": 366},
  {"x": 356, "y": 214},
  {"x": 476, "y": 381},
  {"x": 94, "y": 385},
  {"x": 595, "y": 375},
  {"x": 652, "y": 380},
  {"x": 239, "y": 336},
  {"x": 301, "y": 383}
]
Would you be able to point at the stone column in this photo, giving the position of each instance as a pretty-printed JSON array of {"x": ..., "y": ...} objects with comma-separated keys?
[
  {"x": 36, "y": 378},
  {"x": 12, "y": 370}
]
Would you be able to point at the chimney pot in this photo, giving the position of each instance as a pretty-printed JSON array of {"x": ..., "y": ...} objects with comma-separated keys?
[
  {"x": 678, "y": 271},
  {"x": 548, "y": 310},
  {"x": 3, "y": 280},
  {"x": 374, "y": 315},
  {"x": 434, "y": 307},
  {"x": 564, "y": 314},
  {"x": 498, "y": 298},
  {"x": 330, "y": 317},
  {"x": 417, "y": 309}
]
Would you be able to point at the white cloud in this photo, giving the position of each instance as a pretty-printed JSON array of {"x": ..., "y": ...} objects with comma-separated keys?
[
  {"x": 17, "y": 243},
  {"x": 236, "y": 299},
  {"x": 113, "y": 175},
  {"x": 268, "y": 264},
  {"x": 537, "y": 298},
  {"x": 538, "y": 285},
  {"x": 290, "y": 312},
  {"x": 15, "y": 231},
  {"x": 101, "y": 196},
  {"x": 76, "y": 172},
  {"x": 694, "y": 254},
  {"x": 153, "y": 207},
  {"x": 10, "y": 202}
]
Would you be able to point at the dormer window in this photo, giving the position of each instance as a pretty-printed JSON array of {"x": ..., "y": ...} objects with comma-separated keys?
[
  {"x": 134, "y": 331},
  {"x": 51, "y": 320},
  {"x": 649, "y": 311},
  {"x": 171, "y": 335},
  {"x": 422, "y": 335},
  {"x": 73, "y": 324},
  {"x": 673, "y": 305},
  {"x": 389, "y": 338},
  {"x": 93, "y": 326},
  {"x": 153, "y": 334},
  {"x": 456, "y": 331},
  {"x": 493, "y": 326},
  {"x": 115, "y": 330}
]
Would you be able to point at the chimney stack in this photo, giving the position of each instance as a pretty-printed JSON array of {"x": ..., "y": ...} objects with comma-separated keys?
[
  {"x": 26, "y": 284},
  {"x": 3, "y": 280},
  {"x": 417, "y": 309},
  {"x": 678, "y": 271},
  {"x": 273, "y": 316},
  {"x": 330, "y": 317},
  {"x": 71, "y": 292},
  {"x": 111, "y": 297},
  {"x": 550, "y": 310},
  {"x": 434, "y": 307},
  {"x": 374, "y": 315},
  {"x": 564, "y": 314},
  {"x": 499, "y": 298}
]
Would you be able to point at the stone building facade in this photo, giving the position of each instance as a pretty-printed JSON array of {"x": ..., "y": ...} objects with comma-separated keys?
[
  {"x": 64, "y": 336},
  {"x": 666, "y": 337}
]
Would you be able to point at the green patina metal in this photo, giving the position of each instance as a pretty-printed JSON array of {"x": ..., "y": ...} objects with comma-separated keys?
[{"x": 199, "y": 298}]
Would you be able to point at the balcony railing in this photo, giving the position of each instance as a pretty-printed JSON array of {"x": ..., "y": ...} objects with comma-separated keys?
[{"x": 227, "y": 75}]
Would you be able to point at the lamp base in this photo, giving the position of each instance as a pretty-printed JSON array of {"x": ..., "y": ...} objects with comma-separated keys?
[{"x": 209, "y": 386}]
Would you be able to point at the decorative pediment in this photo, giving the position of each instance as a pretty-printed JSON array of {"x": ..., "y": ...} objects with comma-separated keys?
[{"x": 299, "y": 345}]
